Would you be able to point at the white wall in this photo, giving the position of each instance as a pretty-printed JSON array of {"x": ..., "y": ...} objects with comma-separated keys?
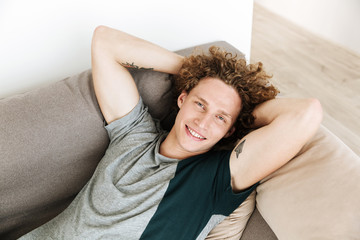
[
  {"x": 42, "y": 41},
  {"x": 334, "y": 20}
]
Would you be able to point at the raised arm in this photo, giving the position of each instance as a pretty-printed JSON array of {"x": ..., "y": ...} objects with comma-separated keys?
[
  {"x": 285, "y": 126},
  {"x": 111, "y": 52}
]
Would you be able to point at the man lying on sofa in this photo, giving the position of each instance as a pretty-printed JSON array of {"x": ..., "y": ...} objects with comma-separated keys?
[{"x": 153, "y": 184}]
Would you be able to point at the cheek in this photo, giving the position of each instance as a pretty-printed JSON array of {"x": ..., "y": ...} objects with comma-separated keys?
[
  {"x": 186, "y": 112},
  {"x": 181, "y": 118},
  {"x": 219, "y": 131}
]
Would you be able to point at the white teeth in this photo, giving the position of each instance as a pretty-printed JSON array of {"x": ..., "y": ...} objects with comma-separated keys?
[{"x": 195, "y": 134}]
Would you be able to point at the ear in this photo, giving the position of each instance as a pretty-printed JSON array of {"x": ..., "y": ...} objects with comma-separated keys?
[
  {"x": 181, "y": 98},
  {"x": 230, "y": 132}
]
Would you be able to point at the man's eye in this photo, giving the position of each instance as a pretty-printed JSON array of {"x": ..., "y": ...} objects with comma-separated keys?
[
  {"x": 200, "y": 105},
  {"x": 221, "y": 118}
]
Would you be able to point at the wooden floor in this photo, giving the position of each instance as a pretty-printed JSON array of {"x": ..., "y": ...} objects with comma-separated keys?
[{"x": 304, "y": 65}]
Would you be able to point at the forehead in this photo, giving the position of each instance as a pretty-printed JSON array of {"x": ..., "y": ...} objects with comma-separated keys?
[{"x": 218, "y": 94}]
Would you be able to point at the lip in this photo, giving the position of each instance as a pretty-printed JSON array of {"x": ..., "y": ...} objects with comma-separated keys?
[{"x": 191, "y": 136}]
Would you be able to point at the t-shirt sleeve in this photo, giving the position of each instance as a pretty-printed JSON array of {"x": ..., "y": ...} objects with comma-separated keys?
[
  {"x": 137, "y": 119},
  {"x": 226, "y": 201}
]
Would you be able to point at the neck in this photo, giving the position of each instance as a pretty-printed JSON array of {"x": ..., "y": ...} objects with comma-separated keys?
[
  {"x": 171, "y": 149},
  {"x": 168, "y": 149}
]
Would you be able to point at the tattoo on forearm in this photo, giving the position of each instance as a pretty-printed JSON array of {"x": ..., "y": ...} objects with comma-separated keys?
[
  {"x": 132, "y": 65},
  {"x": 239, "y": 148}
]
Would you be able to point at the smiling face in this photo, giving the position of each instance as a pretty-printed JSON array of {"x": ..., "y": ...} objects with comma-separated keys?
[{"x": 206, "y": 115}]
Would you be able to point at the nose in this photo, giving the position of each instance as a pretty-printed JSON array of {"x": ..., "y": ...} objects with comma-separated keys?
[{"x": 203, "y": 121}]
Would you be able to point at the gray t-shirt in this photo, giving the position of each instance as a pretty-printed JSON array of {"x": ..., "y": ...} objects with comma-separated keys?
[{"x": 137, "y": 193}]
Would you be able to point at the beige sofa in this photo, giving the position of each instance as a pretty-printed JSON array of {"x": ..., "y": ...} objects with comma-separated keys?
[{"x": 52, "y": 139}]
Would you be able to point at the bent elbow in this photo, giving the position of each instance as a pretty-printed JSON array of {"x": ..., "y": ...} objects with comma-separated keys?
[
  {"x": 316, "y": 109},
  {"x": 313, "y": 112},
  {"x": 98, "y": 36},
  {"x": 100, "y": 31}
]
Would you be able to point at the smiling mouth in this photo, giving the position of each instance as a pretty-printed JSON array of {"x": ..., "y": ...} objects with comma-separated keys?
[{"x": 195, "y": 134}]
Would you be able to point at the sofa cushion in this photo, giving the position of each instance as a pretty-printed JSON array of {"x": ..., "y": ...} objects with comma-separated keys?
[
  {"x": 257, "y": 228},
  {"x": 316, "y": 195},
  {"x": 51, "y": 141},
  {"x": 233, "y": 226}
]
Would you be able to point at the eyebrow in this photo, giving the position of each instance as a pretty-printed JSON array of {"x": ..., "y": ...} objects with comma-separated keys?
[{"x": 206, "y": 103}]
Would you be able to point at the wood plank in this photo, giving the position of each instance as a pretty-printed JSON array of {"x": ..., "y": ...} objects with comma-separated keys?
[{"x": 305, "y": 65}]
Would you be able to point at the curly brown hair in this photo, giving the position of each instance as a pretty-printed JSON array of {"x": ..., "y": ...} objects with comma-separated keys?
[{"x": 250, "y": 81}]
